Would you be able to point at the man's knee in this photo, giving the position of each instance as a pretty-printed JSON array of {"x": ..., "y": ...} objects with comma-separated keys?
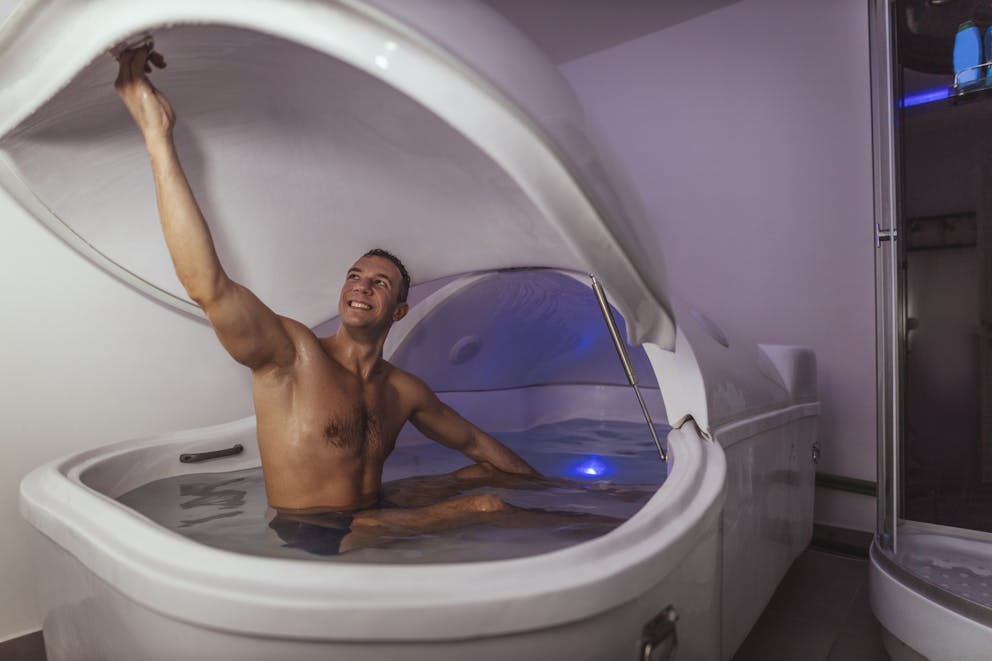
[
  {"x": 367, "y": 519},
  {"x": 487, "y": 503}
]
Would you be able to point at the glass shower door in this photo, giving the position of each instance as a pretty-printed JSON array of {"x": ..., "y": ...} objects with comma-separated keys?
[{"x": 933, "y": 201}]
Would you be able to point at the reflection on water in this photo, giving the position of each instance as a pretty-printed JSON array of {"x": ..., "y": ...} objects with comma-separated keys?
[
  {"x": 219, "y": 495},
  {"x": 568, "y": 506}
]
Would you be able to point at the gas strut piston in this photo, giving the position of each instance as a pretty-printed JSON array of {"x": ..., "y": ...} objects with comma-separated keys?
[{"x": 628, "y": 366}]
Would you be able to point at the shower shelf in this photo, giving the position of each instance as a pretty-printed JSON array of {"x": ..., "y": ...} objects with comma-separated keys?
[{"x": 972, "y": 91}]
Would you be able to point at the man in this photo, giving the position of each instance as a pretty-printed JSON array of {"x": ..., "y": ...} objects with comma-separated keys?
[{"x": 328, "y": 409}]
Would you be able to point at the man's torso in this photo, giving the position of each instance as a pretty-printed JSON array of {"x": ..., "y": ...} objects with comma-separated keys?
[{"x": 323, "y": 432}]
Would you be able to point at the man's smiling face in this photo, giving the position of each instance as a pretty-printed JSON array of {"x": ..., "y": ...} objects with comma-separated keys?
[{"x": 370, "y": 295}]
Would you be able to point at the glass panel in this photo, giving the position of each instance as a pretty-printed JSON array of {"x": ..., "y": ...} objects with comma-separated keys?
[{"x": 945, "y": 170}]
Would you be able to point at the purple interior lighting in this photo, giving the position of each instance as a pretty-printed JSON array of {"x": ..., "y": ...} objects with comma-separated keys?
[
  {"x": 925, "y": 96},
  {"x": 592, "y": 466}
]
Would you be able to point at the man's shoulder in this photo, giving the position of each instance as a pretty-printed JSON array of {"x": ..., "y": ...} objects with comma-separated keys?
[
  {"x": 406, "y": 382},
  {"x": 400, "y": 377},
  {"x": 298, "y": 333},
  {"x": 295, "y": 327}
]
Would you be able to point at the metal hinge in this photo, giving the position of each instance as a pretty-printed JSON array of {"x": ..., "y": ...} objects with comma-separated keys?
[{"x": 888, "y": 234}]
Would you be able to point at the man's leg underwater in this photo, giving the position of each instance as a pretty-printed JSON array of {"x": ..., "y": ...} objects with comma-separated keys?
[
  {"x": 425, "y": 504},
  {"x": 424, "y": 490},
  {"x": 461, "y": 511}
]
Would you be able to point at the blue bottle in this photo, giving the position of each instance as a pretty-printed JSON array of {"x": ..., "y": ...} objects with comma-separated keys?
[{"x": 967, "y": 53}]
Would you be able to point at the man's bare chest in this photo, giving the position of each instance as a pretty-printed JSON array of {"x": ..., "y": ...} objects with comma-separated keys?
[
  {"x": 332, "y": 407},
  {"x": 350, "y": 425}
]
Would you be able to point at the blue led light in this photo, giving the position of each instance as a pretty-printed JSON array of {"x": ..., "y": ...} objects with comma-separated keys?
[
  {"x": 592, "y": 466},
  {"x": 926, "y": 96},
  {"x": 586, "y": 342}
]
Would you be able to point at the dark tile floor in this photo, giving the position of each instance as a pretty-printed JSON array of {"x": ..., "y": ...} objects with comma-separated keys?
[
  {"x": 820, "y": 612},
  {"x": 25, "y": 648}
]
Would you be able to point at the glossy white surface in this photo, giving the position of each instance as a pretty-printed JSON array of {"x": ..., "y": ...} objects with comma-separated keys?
[
  {"x": 768, "y": 512},
  {"x": 738, "y": 379},
  {"x": 960, "y": 565},
  {"x": 929, "y": 628},
  {"x": 374, "y": 132},
  {"x": 762, "y": 528},
  {"x": 87, "y": 614},
  {"x": 765, "y": 523},
  {"x": 488, "y": 150},
  {"x": 259, "y": 597}
]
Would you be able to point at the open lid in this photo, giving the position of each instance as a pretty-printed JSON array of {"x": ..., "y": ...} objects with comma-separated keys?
[{"x": 313, "y": 131}]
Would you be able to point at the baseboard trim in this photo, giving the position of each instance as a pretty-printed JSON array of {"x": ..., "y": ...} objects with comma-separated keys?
[
  {"x": 848, "y": 484},
  {"x": 29, "y": 647},
  {"x": 843, "y": 541}
]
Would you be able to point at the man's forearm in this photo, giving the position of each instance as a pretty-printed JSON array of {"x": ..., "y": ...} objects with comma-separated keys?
[
  {"x": 186, "y": 233},
  {"x": 490, "y": 450}
]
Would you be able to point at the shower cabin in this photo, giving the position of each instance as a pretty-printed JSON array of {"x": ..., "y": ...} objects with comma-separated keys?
[{"x": 931, "y": 571}]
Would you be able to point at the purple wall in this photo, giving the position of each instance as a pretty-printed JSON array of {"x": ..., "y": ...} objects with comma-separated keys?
[{"x": 748, "y": 132}]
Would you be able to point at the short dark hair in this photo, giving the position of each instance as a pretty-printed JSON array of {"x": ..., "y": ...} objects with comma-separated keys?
[{"x": 404, "y": 276}]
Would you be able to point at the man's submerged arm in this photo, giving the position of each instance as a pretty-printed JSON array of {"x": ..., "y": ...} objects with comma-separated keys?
[
  {"x": 438, "y": 421},
  {"x": 250, "y": 331}
]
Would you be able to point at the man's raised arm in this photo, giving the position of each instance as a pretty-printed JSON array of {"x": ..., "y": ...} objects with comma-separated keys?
[{"x": 252, "y": 333}]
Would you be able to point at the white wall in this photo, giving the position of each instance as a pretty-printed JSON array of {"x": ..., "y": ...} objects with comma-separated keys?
[
  {"x": 748, "y": 132},
  {"x": 64, "y": 345}
]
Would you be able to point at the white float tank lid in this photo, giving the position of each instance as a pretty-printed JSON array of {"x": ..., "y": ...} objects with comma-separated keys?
[{"x": 314, "y": 131}]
